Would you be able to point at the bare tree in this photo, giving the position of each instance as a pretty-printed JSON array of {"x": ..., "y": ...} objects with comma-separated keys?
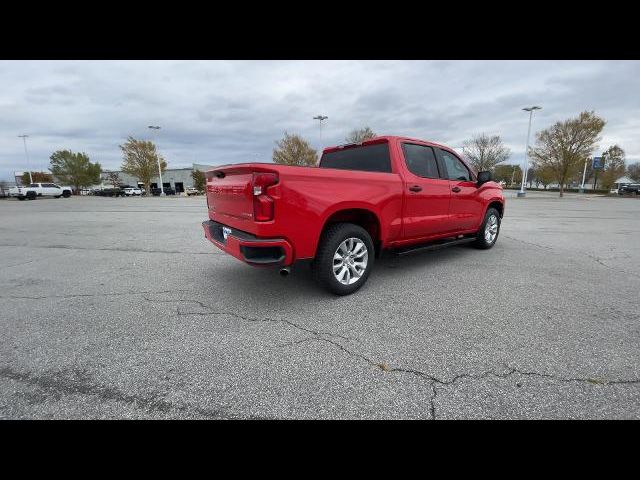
[
  {"x": 360, "y": 135},
  {"x": 564, "y": 146},
  {"x": 114, "y": 178},
  {"x": 484, "y": 152},
  {"x": 633, "y": 171},
  {"x": 294, "y": 150}
]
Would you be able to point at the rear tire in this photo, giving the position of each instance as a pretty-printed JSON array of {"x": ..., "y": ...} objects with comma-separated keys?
[
  {"x": 489, "y": 230},
  {"x": 66, "y": 194},
  {"x": 344, "y": 259}
]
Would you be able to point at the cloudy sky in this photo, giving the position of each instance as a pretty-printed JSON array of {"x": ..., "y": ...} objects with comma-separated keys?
[{"x": 216, "y": 112}]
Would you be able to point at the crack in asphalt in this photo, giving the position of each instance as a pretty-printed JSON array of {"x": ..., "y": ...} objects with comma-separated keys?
[
  {"x": 79, "y": 382},
  {"x": 601, "y": 262},
  {"x": 114, "y": 249},
  {"x": 433, "y": 380},
  {"x": 213, "y": 312},
  {"x": 528, "y": 243},
  {"x": 77, "y": 295}
]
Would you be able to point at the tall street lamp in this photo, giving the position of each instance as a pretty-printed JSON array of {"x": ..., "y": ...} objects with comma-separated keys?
[
  {"x": 26, "y": 154},
  {"x": 526, "y": 153},
  {"x": 321, "y": 118},
  {"x": 156, "y": 128}
]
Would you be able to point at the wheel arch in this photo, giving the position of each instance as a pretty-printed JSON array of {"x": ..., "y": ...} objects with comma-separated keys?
[{"x": 361, "y": 216}]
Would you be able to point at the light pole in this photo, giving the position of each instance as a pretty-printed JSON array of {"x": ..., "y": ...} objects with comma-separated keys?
[
  {"x": 26, "y": 153},
  {"x": 584, "y": 173},
  {"x": 321, "y": 118},
  {"x": 526, "y": 153},
  {"x": 156, "y": 128}
]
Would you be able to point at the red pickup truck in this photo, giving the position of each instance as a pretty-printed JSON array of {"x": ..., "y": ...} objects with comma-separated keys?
[{"x": 388, "y": 192}]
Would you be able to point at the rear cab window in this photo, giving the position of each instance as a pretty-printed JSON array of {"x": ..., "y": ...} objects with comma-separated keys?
[
  {"x": 420, "y": 160},
  {"x": 367, "y": 158}
]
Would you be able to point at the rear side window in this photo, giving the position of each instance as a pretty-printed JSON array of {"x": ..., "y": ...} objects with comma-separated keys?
[
  {"x": 368, "y": 158},
  {"x": 455, "y": 168},
  {"x": 420, "y": 160}
]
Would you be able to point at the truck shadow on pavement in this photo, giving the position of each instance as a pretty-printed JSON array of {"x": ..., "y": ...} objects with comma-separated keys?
[{"x": 389, "y": 274}]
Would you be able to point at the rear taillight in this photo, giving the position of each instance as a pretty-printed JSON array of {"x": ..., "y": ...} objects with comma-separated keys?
[{"x": 262, "y": 202}]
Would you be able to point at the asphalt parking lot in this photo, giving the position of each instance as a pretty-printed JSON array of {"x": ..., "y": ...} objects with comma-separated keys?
[{"x": 119, "y": 308}]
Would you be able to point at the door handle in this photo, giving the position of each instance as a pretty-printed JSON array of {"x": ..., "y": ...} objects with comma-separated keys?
[
  {"x": 455, "y": 189},
  {"x": 415, "y": 188}
]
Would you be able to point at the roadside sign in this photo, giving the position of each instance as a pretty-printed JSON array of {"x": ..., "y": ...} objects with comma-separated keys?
[{"x": 598, "y": 163}]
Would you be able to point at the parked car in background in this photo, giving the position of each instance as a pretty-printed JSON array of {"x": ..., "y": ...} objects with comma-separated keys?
[
  {"x": 386, "y": 193},
  {"x": 167, "y": 191},
  {"x": 132, "y": 191},
  {"x": 193, "y": 191},
  {"x": 630, "y": 189},
  {"x": 110, "y": 192},
  {"x": 35, "y": 190}
]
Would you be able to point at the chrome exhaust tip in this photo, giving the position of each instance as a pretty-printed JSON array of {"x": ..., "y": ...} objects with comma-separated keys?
[{"x": 284, "y": 271}]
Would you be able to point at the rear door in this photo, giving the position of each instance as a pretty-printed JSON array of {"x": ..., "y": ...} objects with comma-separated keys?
[
  {"x": 427, "y": 194},
  {"x": 465, "y": 208},
  {"x": 51, "y": 189}
]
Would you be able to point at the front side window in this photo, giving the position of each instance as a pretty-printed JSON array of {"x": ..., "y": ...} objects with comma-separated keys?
[
  {"x": 455, "y": 168},
  {"x": 420, "y": 160}
]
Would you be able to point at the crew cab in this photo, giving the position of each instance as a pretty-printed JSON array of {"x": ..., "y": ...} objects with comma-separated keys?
[
  {"x": 35, "y": 190},
  {"x": 387, "y": 193}
]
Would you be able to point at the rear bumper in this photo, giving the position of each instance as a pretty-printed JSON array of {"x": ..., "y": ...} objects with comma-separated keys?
[{"x": 249, "y": 248}]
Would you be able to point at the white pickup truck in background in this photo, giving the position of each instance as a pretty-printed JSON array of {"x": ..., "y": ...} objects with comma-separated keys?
[{"x": 34, "y": 190}]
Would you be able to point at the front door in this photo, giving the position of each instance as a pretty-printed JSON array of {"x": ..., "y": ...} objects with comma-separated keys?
[
  {"x": 465, "y": 208},
  {"x": 426, "y": 205}
]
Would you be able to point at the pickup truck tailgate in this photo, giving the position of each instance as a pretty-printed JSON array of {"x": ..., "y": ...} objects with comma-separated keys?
[{"x": 229, "y": 194}]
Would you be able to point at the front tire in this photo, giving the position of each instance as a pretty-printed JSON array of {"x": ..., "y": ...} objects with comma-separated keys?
[
  {"x": 489, "y": 230},
  {"x": 344, "y": 259}
]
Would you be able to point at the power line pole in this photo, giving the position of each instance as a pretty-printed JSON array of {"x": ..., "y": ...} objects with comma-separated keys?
[
  {"x": 26, "y": 153},
  {"x": 321, "y": 118},
  {"x": 526, "y": 153}
]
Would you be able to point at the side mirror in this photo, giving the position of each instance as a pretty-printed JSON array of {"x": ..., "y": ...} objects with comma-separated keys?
[{"x": 484, "y": 177}]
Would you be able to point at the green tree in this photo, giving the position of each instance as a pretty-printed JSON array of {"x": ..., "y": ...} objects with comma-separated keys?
[
  {"x": 509, "y": 174},
  {"x": 199, "y": 180},
  {"x": 140, "y": 160},
  {"x": 614, "y": 166},
  {"x": 564, "y": 146},
  {"x": 360, "y": 135},
  {"x": 37, "y": 177},
  {"x": 484, "y": 152},
  {"x": 294, "y": 150},
  {"x": 74, "y": 169},
  {"x": 545, "y": 175},
  {"x": 633, "y": 171}
]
